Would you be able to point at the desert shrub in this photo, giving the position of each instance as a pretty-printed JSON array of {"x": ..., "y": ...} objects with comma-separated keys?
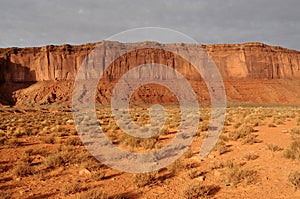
[
  {"x": 143, "y": 179},
  {"x": 298, "y": 121},
  {"x": 53, "y": 160},
  {"x": 127, "y": 140},
  {"x": 175, "y": 167},
  {"x": 22, "y": 169},
  {"x": 294, "y": 179},
  {"x": 295, "y": 131},
  {"x": 75, "y": 141},
  {"x": 93, "y": 194},
  {"x": 224, "y": 138},
  {"x": 221, "y": 147},
  {"x": 194, "y": 173},
  {"x": 3, "y": 138},
  {"x": 237, "y": 175},
  {"x": 71, "y": 188},
  {"x": 5, "y": 194},
  {"x": 198, "y": 190},
  {"x": 50, "y": 139},
  {"x": 293, "y": 151},
  {"x": 89, "y": 162},
  {"x": 257, "y": 122},
  {"x": 241, "y": 132},
  {"x": 222, "y": 164},
  {"x": 149, "y": 143},
  {"x": 203, "y": 126},
  {"x": 19, "y": 132},
  {"x": 273, "y": 147},
  {"x": 251, "y": 156},
  {"x": 271, "y": 125},
  {"x": 65, "y": 154},
  {"x": 251, "y": 139},
  {"x": 27, "y": 157},
  {"x": 13, "y": 142},
  {"x": 237, "y": 125},
  {"x": 278, "y": 121},
  {"x": 98, "y": 174},
  {"x": 188, "y": 153}
]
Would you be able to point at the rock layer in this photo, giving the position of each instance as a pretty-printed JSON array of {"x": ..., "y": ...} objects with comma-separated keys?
[{"x": 45, "y": 74}]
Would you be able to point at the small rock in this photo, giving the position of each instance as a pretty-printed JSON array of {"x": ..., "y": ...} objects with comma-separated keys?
[
  {"x": 284, "y": 131},
  {"x": 201, "y": 178},
  {"x": 70, "y": 122},
  {"x": 84, "y": 172},
  {"x": 210, "y": 156}
]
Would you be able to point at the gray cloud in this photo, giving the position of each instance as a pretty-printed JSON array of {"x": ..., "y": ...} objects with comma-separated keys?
[{"x": 41, "y": 22}]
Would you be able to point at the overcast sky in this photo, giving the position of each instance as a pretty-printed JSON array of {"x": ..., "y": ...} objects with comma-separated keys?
[{"x": 42, "y": 22}]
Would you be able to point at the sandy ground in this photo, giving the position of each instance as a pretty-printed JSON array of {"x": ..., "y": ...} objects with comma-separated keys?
[{"x": 31, "y": 136}]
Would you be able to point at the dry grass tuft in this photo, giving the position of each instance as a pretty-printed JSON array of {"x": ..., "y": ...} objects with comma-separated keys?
[
  {"x": 241, "y": 132},
  {"x": 273, "y": 147},
  {"x": 251, "y": 156},
  {"x": 293, "y": 152},
  {"x": 194, "y": 173},
  {"x": 198, "y": 190},
  {"x": 237, "y": 175},
  {"x": 71, "y": 188},
  {"x": 93, "y": 194},
  {"x": 143, "y": 179},
  {"x": 22, "y": 169},
  {"x": 294, "y": 179}
]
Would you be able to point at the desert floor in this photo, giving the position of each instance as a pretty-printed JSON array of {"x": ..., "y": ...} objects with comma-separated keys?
[{"x": 257, "y": 156}]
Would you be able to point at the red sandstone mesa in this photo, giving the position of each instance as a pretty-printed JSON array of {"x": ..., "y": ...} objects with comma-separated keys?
[{"x": 252, "y": 72}]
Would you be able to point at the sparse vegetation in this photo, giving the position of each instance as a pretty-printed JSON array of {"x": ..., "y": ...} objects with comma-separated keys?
[
  {"x": 273, "y": 147},
  {"x": 46, "y": 148},
  {"x": 293, "y": 151},
  {"x": 294, "y": 179},
  {"x": 241, "y": 132},
  {"x": 198, "y": 190},
  {"x": 71, "y": 187},
  {"x": 93, "y": 194},
  {"x": 22, "y": 169},
  {"x": 295, "y": 131},
  {"x": 237, "y": 174},
  {"x": 143, "y": 179},
  {"x": 251, "y": 156},
  {"x": 221, "y": 147},
  {"x": 194, "y": 173}
]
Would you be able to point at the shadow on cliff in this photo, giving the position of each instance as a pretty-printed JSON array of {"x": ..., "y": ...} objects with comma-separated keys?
[{"x": 13, "y": 77}]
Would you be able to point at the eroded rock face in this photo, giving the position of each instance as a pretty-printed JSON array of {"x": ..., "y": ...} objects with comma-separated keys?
[
  {"x": 250, "y": 60},
  {"x": 251, "y": 72}
]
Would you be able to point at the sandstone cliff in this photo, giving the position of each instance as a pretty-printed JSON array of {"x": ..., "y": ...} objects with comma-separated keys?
[{"x": 249, "y": 62}]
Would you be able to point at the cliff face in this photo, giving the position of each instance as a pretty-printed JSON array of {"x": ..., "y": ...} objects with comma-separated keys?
[
  {"x": 252, "y": 72},
  {"x": 42, "y": 63},
  {"x": 235, "y": 61},
  {"x": 255, "y": 60}
]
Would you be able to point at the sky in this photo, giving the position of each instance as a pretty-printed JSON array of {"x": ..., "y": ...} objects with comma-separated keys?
[{"x": 43, "y": 22}]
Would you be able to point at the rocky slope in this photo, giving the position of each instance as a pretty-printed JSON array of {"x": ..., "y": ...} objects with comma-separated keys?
[{"x": 252, "y": 72}]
